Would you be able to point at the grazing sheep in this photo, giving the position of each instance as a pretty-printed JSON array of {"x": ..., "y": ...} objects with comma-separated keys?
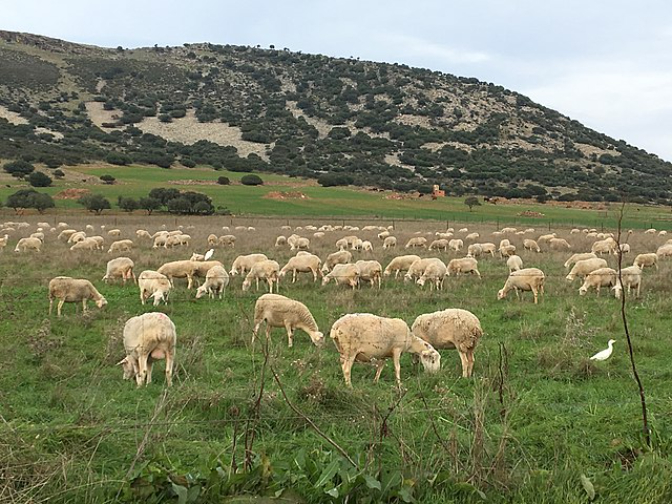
[
  {"x": 503, "y": 243},
  {"x": 73, "y": 290},
  {"x": 369, "y": 338},
  {"x": 76, "y": 237},
  {"x": 100, "y": 241},
  {"x": 243, "y": 263},
  {"x": 472, "y": 236},
  {"x": 343, "y": 274},
  {"x": 530, "y": 244},
  {"x": 178, "y": 269},
  {"x": 29, "y": 244},
  {"x": 3, "y": 242},
  {"x": 606, "y": 246},
  {"x": 455, "y": 244},
  {"x": 121, "y": 267},
  {"x": 399, "y": 264},
  {"x": 121, "y": 246},
  {"x": 160, "y": 239},
  {"x": 212, "y": 240},
  {"x": 263, "y": 270},
  {"x": 340, "y": 257},
  {"x": 38, "y": 235},
  {"x": 488, "y": 248},
  {"x": 114, "y": 232},
  {"x": 646, "y": 260},
  {"x": 528, "y": 279},
  {"x": 227, "y": 241},
  {"x": 584, "y": 267},
  {"x": 281, "y": 241},
  {"x": 417, "y": 241},
  {"x": 142, "y": 234},
  {"x": 507, "y": 250},
  {"x": 440, "y": 244},
  {"x": 148, "y": 337},
  {"x": 389, "y": 242},
  {"x": 418, "y": 268},
  {"x": 664, "y": 251},
  {"x": 463, "y": 230},
  {"x": 371, "y": 271},
  {"x": 559, "y": 244},
  {"x": 624, "y": 248},
  {"x": 342, "y": 244},
  {"x": 514, "y": 263},
  {"x": 463, "y": 265},
  {"x": 367, "y": 246},
  {"x": 200, "y": 268},
  {"x": 281, "y": 311},
  {"x": 650, "y": 231},
  {"x": 301, "y": 244},
  {"x": 510, "y": 230},
  {"x": 154, "y": 284},
  {"x": 579, "y": 257},
  {"x": 303, "y": 262},
  {"x": 474, "y": 250},
  {"x": 602, "y": 277},
  {"x": 451, "y": 328},
  {"x": 197, "y": 257},
  {"x": 545, "y": 237},
  {"x": 435, "y": 272},
  {"x": 383, "y": 234},
  {"x": 631, "y": 277},
  {"x": 85, "y": 244},
  {"x": 216, "y": 281}
]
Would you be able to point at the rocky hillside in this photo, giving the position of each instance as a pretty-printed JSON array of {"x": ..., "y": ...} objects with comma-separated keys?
[{"x": 343, "y": 121}]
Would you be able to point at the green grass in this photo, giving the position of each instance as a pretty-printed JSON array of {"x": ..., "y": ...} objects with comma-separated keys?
[
  {"x": 71, "y": 428},
  {"x": 341, "y": 202}
]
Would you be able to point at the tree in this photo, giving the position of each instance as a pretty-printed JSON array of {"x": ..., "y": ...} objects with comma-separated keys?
[
  {"x": 127, "y": 204},
  {"x": 107, "y": 179},
  {"x": 472, "y": 201},
  {"x": 19, "y": 168},
  {"x": 149, "y": 204},
  {"x": 59, "y": 174},
  {"x": 39, "y": 179},
  {"x": 42, "y": 201},
  {"x": 223, "y": 180},
  {"x": 94, "y": 203},
  {"x": 251, "y": 180},
  {"x": 29, "y": 198}
]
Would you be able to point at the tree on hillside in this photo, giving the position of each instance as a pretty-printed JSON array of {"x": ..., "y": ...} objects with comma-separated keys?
[
  {"x": 251, "y": 180},
  {"x": 107, "y": 179},
  {"x": 39, "y": 179},
  {"x": 95, "y": 203},
  {"x": 472, "y": 201},
  {"x": 19, "y": 168},
  {"x": 127, "y": 204},
  {"x": 29, "y": 198},
  {"x": 149, "y": 204}
]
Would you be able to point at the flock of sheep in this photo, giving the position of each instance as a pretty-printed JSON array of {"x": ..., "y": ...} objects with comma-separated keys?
[{"x": 357, "y": 336}]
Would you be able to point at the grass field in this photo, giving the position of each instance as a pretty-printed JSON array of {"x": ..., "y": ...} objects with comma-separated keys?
[
  {"x": 334, "y": 202},
  {"x": 536, "y": 416}
]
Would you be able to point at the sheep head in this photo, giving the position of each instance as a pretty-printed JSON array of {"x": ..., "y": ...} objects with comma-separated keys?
[
  {"x": 317, "y": 338},
  {"x": 431, "y": 360},
  {"x": 101, "y": 302},
  {"x": 501, "y": 294},
  {"x": 129, "y": 366}
]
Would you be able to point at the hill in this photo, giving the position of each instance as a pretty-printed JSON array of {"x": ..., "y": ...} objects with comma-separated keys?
[{"x": 343, "y": 121}]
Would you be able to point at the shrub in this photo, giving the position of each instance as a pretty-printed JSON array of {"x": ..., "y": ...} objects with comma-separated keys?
[
  {"x": 472, "y": 201},
  {"x": 59, "y": 174},
  {"x": 189, "y": 163},
  {"x": 117, "y": 158},
  {"x": 107, "y": 179},
  {"x": 149, "y": 204},
  {"x": 39, "y": 179},
  {"x": 30, "y": 198},
  {"x": 95, "y": 203},
  {"x": 334, "y": 179},
  {"x": 19, "y": 168},
  {"x": 223, "y": 180},
  {"x": 127, "y": 204},
  {"x": 251, "y": 180}
]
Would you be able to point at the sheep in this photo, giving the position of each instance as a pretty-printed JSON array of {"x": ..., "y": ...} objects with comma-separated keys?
[
  {"x": 367, "y": 246},
  {"x": 451, "y": 328},
  {"x": 530, "y": 244},
  {"x": 302, "y": 244},
  {"x": 200, "y": 268},
  {"x": 216, "y": 281},
  {"x": 3, "y": 242},
  {"x": 26, "y": 244},
  {"x": 514, "y": 263},
  {"x": 263, "y": 270},
  {"x": 85, "y": 244},
  {"x": 418, "y": 241},
  {"x": 305, "y": 263},
  {"x": 579, "y": 257},
  {"x": 646, "y": 260},
  {"x": 73, "y": 290},
  {"x": 100, "y": 241},
  {"x": 488, "y": 248},
  {"x": 343, "y": 274},
  {"x": 545, "y": 237},
  {"x": 602, "y": 277},
  {"x": 142, "y": 234},
  {"x": 455, "y": 244},
  {"x": 472, "y": 236},
  {"x": 281, "y": 311},
  {"x": 650, "y": 231},
  {"x": 358, "y": 244},
  {"x": 504, "y": 243},
  {"x": 509, "y": 230},
  {"x": 197, "y": 257},
  {"x": 400, "y": 263},
  {"x": 212, "y": 240},
  {"x": 318, "y": 235},
  {"x": 439, "y": 244},
  {"x": 178, "y": 269},
  {"x": 474, "y": 250},
  {"x": 120, "y": 267},
  {"x": 340, "y": 257},
  {"x": 623, "y": 248},
  {"x": 631, "y": 277},
  {"x": 389, "y": 242},
  {"x": 120, "y": 246},
  {"x": 148, "y": 337},
  {"x": 227, "y": 241},
  {"x": 76, "y": 237},
  {"x": 243, "y": 263},
  {"x": 507, "y": 251},
  {"x": 559, "y": 244},
  {"x": 435, "y": 273},
  {"x": 371, "y": 271},
  {"x": 342, "y": 244},
  {"x": 463, "y": 265},
  {"x": 114, "y": 232},
  {"x": 38, "y": 235},
  {"x": 281, "y": 241},
  {"x": 584, "y": 267},
  {"x": 463, "y": 230},
  {"x": 369, "y": 338},
  {"x": 664, "y": 251},
  {"x": 606, "y": 246},
  {"x": 383, "y": 234},
  {"x": 154, "y": 284},
  {"x": 528, "y": 279},
  {"x": 416, "y": 269}
]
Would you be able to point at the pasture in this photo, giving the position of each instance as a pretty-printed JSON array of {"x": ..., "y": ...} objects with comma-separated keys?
[{"x": 538, "y": 421}]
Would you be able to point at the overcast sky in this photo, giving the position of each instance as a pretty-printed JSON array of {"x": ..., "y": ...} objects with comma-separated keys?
[{"x": 607, "y": 64}]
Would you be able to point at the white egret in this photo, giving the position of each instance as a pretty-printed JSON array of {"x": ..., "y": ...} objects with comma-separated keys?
[
  {"x": 604, "y": 354},
  {"x": 209, "y": 254}
]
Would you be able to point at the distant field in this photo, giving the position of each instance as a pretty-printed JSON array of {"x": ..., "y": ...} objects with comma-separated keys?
[{"x": 134, "y": 181}]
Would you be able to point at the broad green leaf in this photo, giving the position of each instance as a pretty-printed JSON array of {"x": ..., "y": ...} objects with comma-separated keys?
[
  {"x": 181, "y": 493},
  {"x": 406, "y": 494},
  {"x": 588, "y": 487},
  {"x": 193, "y": 493},
  {"x": 333, "y": 492},
  {"x": 372, "y": 482},
  {"x": 327, "y": 474}
]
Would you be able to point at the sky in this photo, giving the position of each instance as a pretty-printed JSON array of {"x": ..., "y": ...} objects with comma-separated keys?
[{"x": 606, "y": 64}]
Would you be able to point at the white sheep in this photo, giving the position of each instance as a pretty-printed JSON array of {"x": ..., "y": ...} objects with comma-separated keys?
[
  {"x": 243, "y": 263},
  {"x": 514, "y": 263},
  {"x": 472, "y": 237},
  {"x": 585, "y": 267},
  {"x": 86, "y": 244},
  {"x": 370, "y": 271},
  {"x": 340, "y": 257},
  {"x": 606, "y": 246},
  {"x": 602, "y": 277},
  {"x": 154, "y": 284},
  {"x": 488, "y": 248},
  {"x": 73, "y": 290},
  {"x": 463, "y": 265},
  {"x": 451, "y": 328},
  {"x": 507, "y": 250},
  {"x": 440, "y": 244},
  {"x": 416, "y": 242},
  {"x": 120, "y": 246},
  {"x": 216, "y": 281},
  {"x": 29, "y": 244},
  {"x": 148, "y": 337},
  {"x": 389, "y": 242},
  {"x": 434, "y": 273},
  {"x": 631, "y": 277},
  {"x": 227, "y": 241},
  {"x": 114, "y": 232},
  {"x": 530, "y": 244},
  {"x": 178, "y": 269},
  {"x": 3, "y": 242},
  {"x": 559, "y": 244},
  {"x": 664, "y": 251},
  {"x": 367, "y": 246},
  {"x": 263, "y": 270},
  {"x": 545, "y": 237},
  {"x": 142, "y": 234},
  {"x": 646, "y": 260},
  {"x": 528, "y": 279},
  {"x": 399, "y": 264},
  {"x": 304, "y": 263},
  {"x": 100, "y": 241},
  {"x": 281, "y": 241},
  {"x": 120, "y": 267},
  {"x": 418, "y": 268},
  {"x": 474, "y": 250},
  {"x": 76, "y": 237},
  {"x": 281, "y": 311},
  {"x": 579, "y": 257},
  {"x": 343, "y": 274},
  {"x": 384, "y": 234},
  {"x": 455, "y": 244},
  {"x": 369, "y": 338}
]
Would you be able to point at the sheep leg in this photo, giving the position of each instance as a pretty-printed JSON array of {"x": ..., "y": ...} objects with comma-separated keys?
[
  {"x": 396, "y": 354},
  {"x": 470, "y": 359},
  {"x": 290, "y": 336},
  {"x": 170, "y": 357},
  {"x": 257, "y": 324},
  {"x": 141, "y": 375},
  {"x": 257, "y": 281},
  {"x": 190, "y": 281},
  {"x": 346, "y": 366},
  {"x": 150, "y": 362},
  {"x": 293, "y": 276},
  {"x": 465, "y": 364},
  {"x": 51, "y": 304},
  {"x": 534, "y": 293},
  {"x": 60, "y": 305},
  {"x": 142, "y": 296},
  {"x": 379, "y": 369},
  {"x": 84, "y": 305}
]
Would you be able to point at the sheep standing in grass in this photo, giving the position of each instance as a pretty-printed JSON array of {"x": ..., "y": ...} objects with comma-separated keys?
[
  {"x": 148, "y": 337},
  {"x": 343, "y": 274},
  {"x": 602, "y": 277},
  {"x": 216, "y": 281},
  {"x": 304, "y": 263},
  {"x": 227, "y": 241},
  {"x": 390, "y": 242},
  {"x": 143, "y": 234},
  {"x": 585, "y": 267},
  {"x": 154, "y": 284},
  {"x": 631, "y": 277},
  {"x": 664, "y": 251},
  {"x": 451, "y": 328},
  {"x": 370, "y": 271},
  {"x": 530, "y": 244},
  {"x": 418, "y": 268},
  {"x": 243, "y": 263},
  {"x": 121, "y": 246},
  {"x": 29, "y": 244},
  {"x": 507, "y": 250},
  {"x": 178, "y": 269},
  {"x": 435, "y": 272},
  {"x": 463, "y": 265},
  {"x": 200, "y": 268},
  {"x": 416, "y": 242},
  {"x": 340, "y": 257},
  {"x": 369, "y": 338},
  {"x": 281, "y": 311},
  {"x": 212, "y": 240},
  {"x": 3, "y": 242},
  {"x": 121, "y": 267},
  {"x": 606, "y": 246},
  {"x": 528, "y": 279},
  {"x": 85, "y": 244},
  {"x": 579, "y": 257},
  {"x": 559, "y": 244},
  {"x": 263, "y": 270},
  {"x": 456, "y": 244},
  {"x": 474, "y": 250},
  {"x": 73, "y": 290},
  {"x": 281, "y": 241},
  {"x": 514, "y": 263},
  {"x": 646, "y": 260},
  {"x": 399, "y": 264},
  {"x": 440, "y": 244}
]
